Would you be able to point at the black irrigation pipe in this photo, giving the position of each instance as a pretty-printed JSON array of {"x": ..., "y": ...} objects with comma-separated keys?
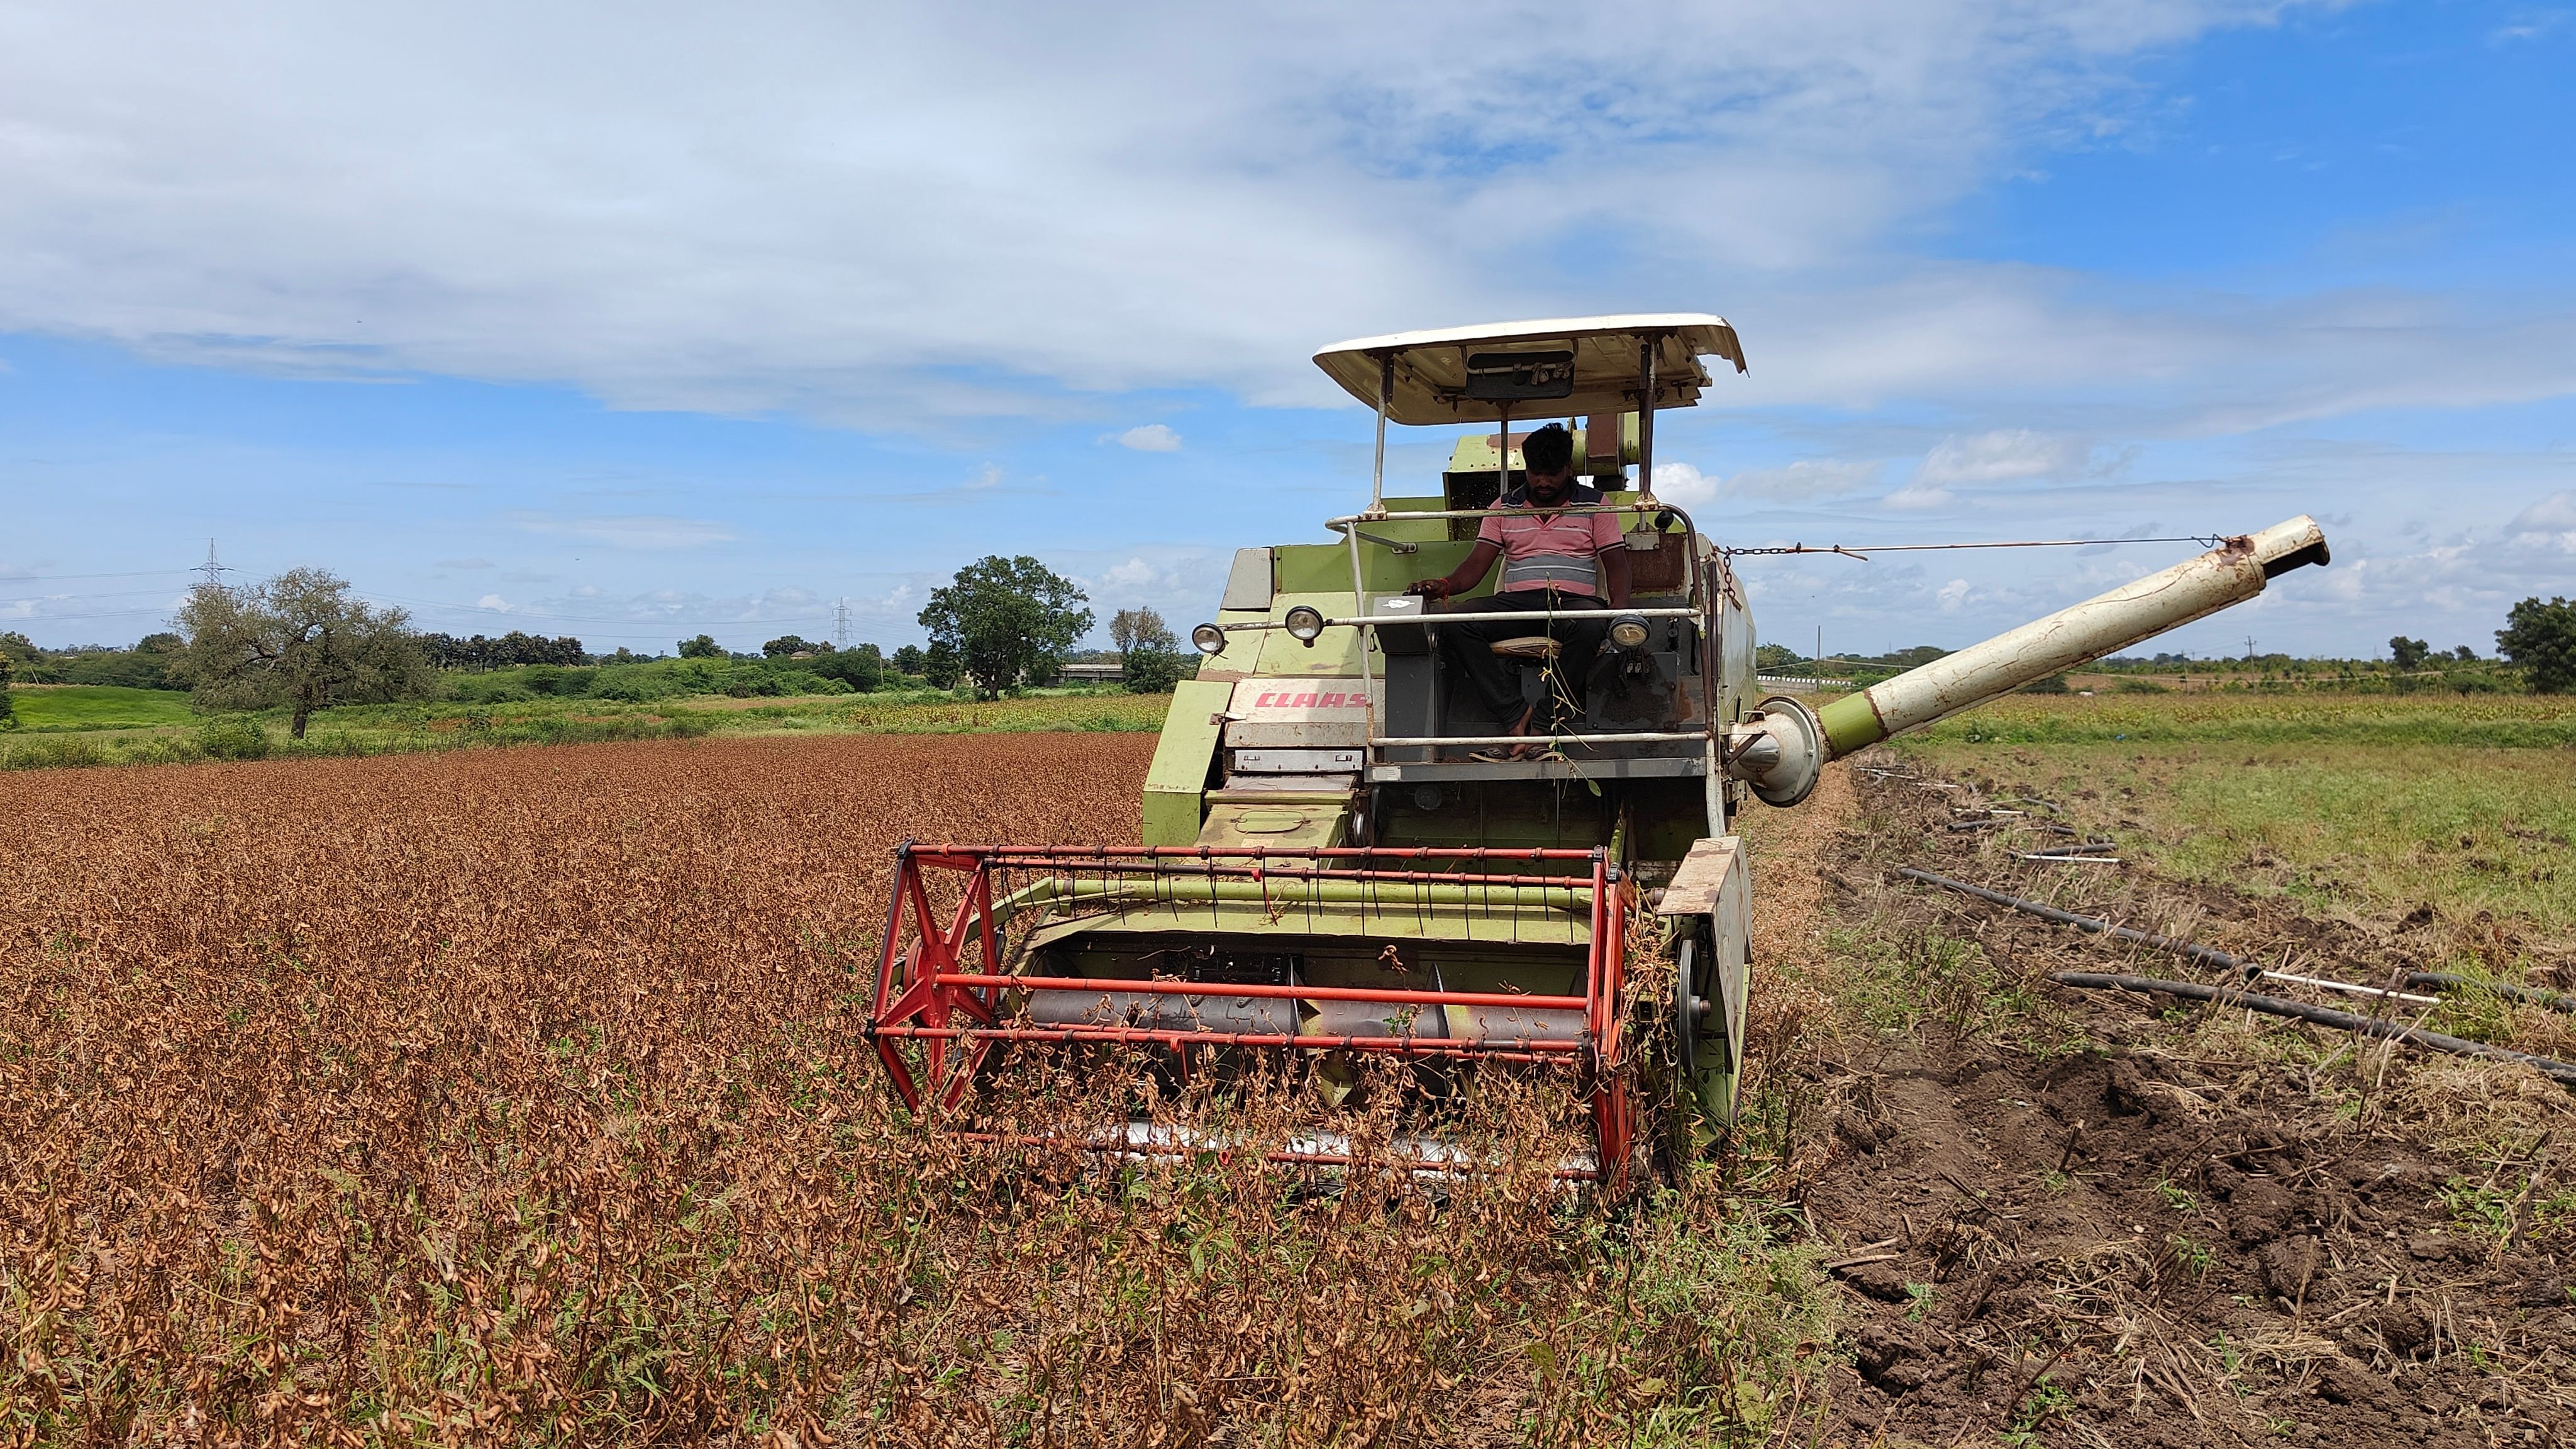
[
  {"x": 2448, "y": 981},
  {"x": 2563, "y": 1073},
  {"x": 2443, "y": 980},
  {"x": 2192, "y": 950}
]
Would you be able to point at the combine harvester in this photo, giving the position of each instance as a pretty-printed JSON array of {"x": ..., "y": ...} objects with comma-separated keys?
[{"x": 1344, "y": 857}]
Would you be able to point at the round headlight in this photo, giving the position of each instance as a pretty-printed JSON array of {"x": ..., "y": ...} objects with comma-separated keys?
[
  {"x": 1209, "y": 638},
  {"x": 1627, "y": 631},
  {"x": 1305, "y": 622}
]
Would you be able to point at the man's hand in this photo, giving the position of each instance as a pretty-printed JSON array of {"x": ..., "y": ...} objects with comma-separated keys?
[{"x": 1429, "y": 588}]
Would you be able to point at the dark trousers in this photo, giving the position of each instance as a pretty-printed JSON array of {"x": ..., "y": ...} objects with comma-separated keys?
[{"x": 1579, "y": 626}]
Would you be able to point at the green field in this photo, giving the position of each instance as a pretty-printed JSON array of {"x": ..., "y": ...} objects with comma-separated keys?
[
  {"x": 2362, "y": 807},
  {"x": 95, "y": 725},
  {"x": 97, "y": 707}
]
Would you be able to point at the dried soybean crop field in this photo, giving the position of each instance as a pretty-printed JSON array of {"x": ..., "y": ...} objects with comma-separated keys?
[{"x": 515, "y": 1096}]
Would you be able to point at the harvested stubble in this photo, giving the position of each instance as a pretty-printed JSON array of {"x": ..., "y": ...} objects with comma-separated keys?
[{"x": 517, "y": 1097}]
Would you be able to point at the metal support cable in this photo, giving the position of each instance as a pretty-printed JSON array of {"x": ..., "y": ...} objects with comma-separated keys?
[{"x": 1863, "y": 551}]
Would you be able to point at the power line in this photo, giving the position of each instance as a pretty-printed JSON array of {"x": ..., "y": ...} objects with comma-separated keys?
[
  {"x": 702, "y": 620},
  {"x": 82, "y": 598},
  {"x": 52, "y": 578},
  {"x": 74, "y": 618},
  {"x": 1863, "y": 551}
]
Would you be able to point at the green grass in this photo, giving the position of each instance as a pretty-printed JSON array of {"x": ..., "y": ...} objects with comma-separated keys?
[
  {"x": 98, "y": 707},
  {"x": 2367, "y": 806},
  {"x": 175, "y": 735},
  {"x": 2503, "y": 721}
]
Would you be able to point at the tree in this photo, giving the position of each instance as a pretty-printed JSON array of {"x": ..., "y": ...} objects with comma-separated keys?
[
  {"x": 8, "y": 711},
  {"x": 907, "y": 660},
  {"x": 789, "y": 644},
  {"x": 299, "y": 640},
  {"x": 702, "y": 647},
  {"x": 1005, "y": 618},
  {"x": 1140, "y": 628},
  {"x": 1149, "y": 658},
  {"x": 861, "y": 668},
  {"x": 940, "y": 665},
  {"x": 2465, "y": 654},
  {"x": 2540, "y": 639},
  {"x": 1772, "y": 658},
  {"x": 2408, "y": 654}
]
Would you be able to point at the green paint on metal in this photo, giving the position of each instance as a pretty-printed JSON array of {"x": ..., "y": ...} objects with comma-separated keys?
[
  {"x": 1196, "y": 908},
  {"x": 1334, "y": 654},
  {"x": 1475, "y": 452},
  {"x": 1317, "y": 568},
  {"x": 1175, "y": 885},
  {"x": 1850, "y": 724},
  {"x": 1179, "y": 774},
  {"x": 1284, "y": 824}
]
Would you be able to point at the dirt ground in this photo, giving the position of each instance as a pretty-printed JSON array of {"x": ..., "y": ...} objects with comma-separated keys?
[{"x": 2083, "y": 1217}]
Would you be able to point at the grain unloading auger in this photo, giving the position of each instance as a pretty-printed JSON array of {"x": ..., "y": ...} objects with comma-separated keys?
[{"x": 1326, "y": 877}]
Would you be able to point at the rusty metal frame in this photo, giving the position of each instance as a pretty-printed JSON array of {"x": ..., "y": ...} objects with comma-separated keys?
[{"x": 941, "y": 984}]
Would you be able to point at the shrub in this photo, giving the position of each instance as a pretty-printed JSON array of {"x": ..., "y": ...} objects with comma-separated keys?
[
  {"x": 557, "y": 682},
  {"x": 633, "y": 684},
  {"x": 859, "y": 669},
  {"x": 489, "y": 689},
  {"x": 233, "y": 737}
]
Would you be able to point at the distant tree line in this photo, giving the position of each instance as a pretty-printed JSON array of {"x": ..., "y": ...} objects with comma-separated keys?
[
  {"x": 446, "y": 651},
  {"x": 2536, "y": 650}
]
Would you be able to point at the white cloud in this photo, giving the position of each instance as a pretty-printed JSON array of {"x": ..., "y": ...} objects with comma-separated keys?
[
  {"x": 2547, "y": 524},
  {"x": 1999, "y": 457},
  {"x": 679, "y": 207},
  {"x": 1151, "y": 438},
  {"x": 494, "y": 602},
  {"x": 1134, "y": 574},
  {"x": 1915, "y": 496},
  {"x": 1803, "y": 479},
  {"x": 1952, "y": 595},
  {"x": 1681, "y": 483},
  {"x": 1807, "y": 478},
  {"x": 636, "y": 531}
]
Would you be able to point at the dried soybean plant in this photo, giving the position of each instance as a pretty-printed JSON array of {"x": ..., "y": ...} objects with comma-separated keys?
[{"x": 521, "y": 1097}]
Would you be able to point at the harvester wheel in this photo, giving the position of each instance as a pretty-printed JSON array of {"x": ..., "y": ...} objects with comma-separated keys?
[
  {"x": 1687, "y": 1010},
  {"x": 1709, "y": 983}
]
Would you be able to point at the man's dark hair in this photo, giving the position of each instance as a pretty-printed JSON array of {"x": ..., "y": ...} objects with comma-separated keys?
[{"x": 1549, "y": 450}]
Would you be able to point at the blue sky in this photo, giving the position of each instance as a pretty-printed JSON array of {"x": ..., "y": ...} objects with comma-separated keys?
[{"x": 631, "y": 323}]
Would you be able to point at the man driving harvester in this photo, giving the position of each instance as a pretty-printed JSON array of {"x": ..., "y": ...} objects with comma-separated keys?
[{"x": 1563, "y": 569}]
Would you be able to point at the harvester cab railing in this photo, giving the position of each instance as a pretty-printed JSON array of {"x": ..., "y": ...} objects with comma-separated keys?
[{"x": 1626, "y": 365}]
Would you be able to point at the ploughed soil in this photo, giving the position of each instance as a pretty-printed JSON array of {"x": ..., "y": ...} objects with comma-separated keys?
[{"x": 2087, "y": 1217}]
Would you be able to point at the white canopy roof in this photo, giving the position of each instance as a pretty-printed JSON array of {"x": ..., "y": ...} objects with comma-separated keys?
[{"x": 1431, "y": 367}]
